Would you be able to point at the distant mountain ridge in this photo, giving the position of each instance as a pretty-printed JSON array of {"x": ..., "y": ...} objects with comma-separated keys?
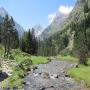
[
  {"x": 19, "y": 28},
  {"x": 38, "y": 30}
]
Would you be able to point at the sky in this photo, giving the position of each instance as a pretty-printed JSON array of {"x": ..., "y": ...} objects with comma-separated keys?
[{"x": 29, "y": 13}]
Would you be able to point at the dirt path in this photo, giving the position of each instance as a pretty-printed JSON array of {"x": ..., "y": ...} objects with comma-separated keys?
[{"x": 51, "y": 76}]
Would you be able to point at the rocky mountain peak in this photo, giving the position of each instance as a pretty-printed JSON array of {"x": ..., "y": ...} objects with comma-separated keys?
[
  {"x": 38, "y": 30},
  {"x": 3, "y": 12}
]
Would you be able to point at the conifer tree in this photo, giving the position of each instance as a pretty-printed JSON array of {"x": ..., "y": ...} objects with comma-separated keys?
[{"x": 9, "y": 35}]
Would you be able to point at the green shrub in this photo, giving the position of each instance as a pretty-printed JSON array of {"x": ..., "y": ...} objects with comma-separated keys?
[
  {"x": 0, "y": 70},
  {"x": 11, "y": 57},
  {"x": 19, "y": 72},
  {"x": 26, "y": 64}
]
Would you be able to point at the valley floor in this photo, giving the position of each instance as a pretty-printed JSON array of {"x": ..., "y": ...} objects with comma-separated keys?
[
  {"x": 51, "y": 76},
  {"x": 46, "y": 73}
]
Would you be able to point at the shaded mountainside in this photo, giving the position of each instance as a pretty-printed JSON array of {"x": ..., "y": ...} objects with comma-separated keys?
[
  {"x": 63, "y": 39},
  {"x": 19, "y": 28},
  {"x": 77, "y": 15}
]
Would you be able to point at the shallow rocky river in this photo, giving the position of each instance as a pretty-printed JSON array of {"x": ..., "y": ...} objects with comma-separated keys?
[{"x": 51, "y": 76}]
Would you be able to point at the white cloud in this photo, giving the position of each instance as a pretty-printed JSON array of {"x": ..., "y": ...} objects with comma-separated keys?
[
  {"x": 51, "y": 17},
  {"x": 65, "y": 9},
  {"x": 62, "y": 9}
]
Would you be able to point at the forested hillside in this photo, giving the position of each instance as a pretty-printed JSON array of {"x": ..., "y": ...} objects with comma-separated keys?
[{"x": 73, "y": 34}]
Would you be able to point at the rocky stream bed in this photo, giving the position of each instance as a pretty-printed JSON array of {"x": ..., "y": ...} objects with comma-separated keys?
[{"x": 51, "y": 76}]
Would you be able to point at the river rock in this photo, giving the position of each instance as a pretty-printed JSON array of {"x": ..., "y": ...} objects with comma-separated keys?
[{"x": 54, "y": 76}]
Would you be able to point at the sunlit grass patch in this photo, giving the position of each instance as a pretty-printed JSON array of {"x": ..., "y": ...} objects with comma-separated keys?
[
  {"x": 67, "y": 58},
  {"x": 39, "y": 60},
  {"x": 81, "y": 73}
]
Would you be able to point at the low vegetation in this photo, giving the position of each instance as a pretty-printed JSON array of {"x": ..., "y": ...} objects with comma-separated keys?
[
  {"x": 39, "y": 60},
  {"x": 22, "y": 63},
  {"x": 67, "y": 58},
  {"x": 81, "y": 73}
]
